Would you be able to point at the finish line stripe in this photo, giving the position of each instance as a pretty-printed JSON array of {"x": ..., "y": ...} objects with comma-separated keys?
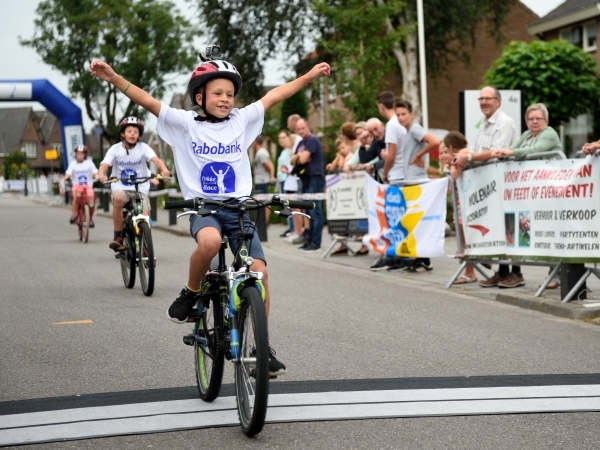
[{"x": 84, "y": 423}]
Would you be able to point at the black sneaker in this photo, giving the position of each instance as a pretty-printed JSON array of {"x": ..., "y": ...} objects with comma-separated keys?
[
  {"x": 398, "y": 265},
  {"x": 303, "y": 246},
  {"x": 183, "y": 305},
  {"x": 419, "y": 267},
  {"x": 311, "y": 248},
  {"x": 275, "y": 367},
  {"x": 285, "y": 234},
  {"x": 382, "y": 264}
]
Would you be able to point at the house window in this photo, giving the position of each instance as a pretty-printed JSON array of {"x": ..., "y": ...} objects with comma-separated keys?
[
  {"x": 583, "y": 36},
  {"x": 30, "y": 149},
  {"x": 589, "y": 44},
  {"x": 57, "y": 147},
  {"x": 573, "y": 36}
]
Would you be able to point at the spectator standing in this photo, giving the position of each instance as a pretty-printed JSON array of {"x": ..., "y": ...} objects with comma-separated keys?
[
  {"x": 418, "y": 144},
  {"x": 301, "y": 224},
  {"x": 288, "y": 184},
  {"x": 393, "y": 168},
  {"x": 310, "y": 152},
  {"x": 497, "y": 131},
  {"x": 377, "y": 149},
  {"x": 264, "y": 171}
]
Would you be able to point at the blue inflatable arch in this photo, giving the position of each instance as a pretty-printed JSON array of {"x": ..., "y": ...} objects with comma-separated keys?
[{"x": 67, "y": 112}]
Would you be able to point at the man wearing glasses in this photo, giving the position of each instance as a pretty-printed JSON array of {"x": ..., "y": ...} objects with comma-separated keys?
[{"x": 496, "y": 132}]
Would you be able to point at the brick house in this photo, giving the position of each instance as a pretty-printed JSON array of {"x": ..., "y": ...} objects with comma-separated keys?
[
  {"x": 443, "y": 93},
  {"x": 575, "y": 21},
  {"x": 32, "y": 132}
]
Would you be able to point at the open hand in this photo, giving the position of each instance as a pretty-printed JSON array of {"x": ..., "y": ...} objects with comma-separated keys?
[{"x": 101, "y": 70}]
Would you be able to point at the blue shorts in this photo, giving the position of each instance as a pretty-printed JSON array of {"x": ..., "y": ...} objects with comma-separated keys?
[{"x": 227, "y": 223}]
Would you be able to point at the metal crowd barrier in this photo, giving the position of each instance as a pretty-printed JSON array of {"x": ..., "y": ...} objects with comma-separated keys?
[{"x": 573, "y": 288}]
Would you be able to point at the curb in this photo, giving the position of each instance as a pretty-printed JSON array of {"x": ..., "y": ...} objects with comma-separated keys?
[{"x": 571, "y": 310}]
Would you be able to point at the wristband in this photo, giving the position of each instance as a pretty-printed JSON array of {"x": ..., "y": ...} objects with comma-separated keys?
[
  {"x": 469, "y": 157},
  {"x": 126, "y": 87}
]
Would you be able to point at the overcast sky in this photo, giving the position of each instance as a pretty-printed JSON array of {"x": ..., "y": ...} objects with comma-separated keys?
[{"x": 18, "y": 62}]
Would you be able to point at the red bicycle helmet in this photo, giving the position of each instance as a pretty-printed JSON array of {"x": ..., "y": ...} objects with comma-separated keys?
[
  {"x": 210, "y": 70},
  {"x": 134, "y": 121},
  {"x": 82, "y": 148}
]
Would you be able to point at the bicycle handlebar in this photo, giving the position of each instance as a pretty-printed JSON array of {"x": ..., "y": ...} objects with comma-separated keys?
[
  {"x": 138, "y": 180},
  {"x": 250, "y": 204}
]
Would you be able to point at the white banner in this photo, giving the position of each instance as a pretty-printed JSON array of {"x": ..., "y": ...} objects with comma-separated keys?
[
  {"x": 346, "y": 198},
  {"x": 15, "y": 91},
  {"x": 407, "y": 221},
  {"x": 73, "y": 138},
  {"x": 545, "y": 209}
]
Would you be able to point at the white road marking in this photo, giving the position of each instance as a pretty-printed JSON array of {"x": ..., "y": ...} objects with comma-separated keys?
[{"x": 141, "y": 418}]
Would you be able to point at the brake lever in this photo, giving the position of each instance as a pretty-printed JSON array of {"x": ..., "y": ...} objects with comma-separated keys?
[
  {"x": 200, "y": 212},
  {"x": 298, "y": 213}
]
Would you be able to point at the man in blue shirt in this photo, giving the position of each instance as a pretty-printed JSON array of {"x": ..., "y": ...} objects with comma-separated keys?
[{"x": 310, "y": 152}]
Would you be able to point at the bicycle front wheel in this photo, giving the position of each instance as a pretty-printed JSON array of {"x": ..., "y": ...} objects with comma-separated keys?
[
  {"x": 85, "y": 229},
  {"x": 146, "y": 259},
  {"x": 209, "y": 357},
  {"x": 252, "y": 371},
  {"x": 127, "y": 258}
]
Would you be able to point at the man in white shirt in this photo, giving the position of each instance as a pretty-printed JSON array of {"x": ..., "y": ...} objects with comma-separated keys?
[
  {"x": 497, "y": 131},
  {"x": 395, "y": 136}
]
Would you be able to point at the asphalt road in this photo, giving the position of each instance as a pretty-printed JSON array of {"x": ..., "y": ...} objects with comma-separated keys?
[{"x": 327, "y": 323}]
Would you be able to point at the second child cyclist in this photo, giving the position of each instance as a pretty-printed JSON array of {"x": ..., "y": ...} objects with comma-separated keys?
[
  {"x": 129, "y": 157},
  {"x": 211, "y": 156},
  {"x": 83, "y": 171}
]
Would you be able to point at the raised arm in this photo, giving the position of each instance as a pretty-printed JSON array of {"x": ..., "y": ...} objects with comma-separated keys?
[
  {"x": 284, "y": 91},
  {"x": 103, "y": 71}
]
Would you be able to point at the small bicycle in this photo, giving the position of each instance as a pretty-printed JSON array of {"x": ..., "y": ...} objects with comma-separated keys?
[
  {"x": 83, "y": 216},
  {"x": 137, "y": 239},
  {"x": 237, "y": 328}
]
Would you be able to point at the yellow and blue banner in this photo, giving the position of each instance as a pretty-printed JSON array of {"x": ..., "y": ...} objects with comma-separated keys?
[{"x": 407, "y": 221}]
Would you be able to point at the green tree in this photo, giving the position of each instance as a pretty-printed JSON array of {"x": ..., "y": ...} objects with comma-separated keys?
[
  {"x": 13, "y": 163},
  {"x": 361, "y": 61},
  {"x": 251, "y": 31},
  {"x": 368, "y": 36},
  {"x": 146, "y": 41},
  {"x": 296, "y": 104},
  {"x": 556, "y": 73}
]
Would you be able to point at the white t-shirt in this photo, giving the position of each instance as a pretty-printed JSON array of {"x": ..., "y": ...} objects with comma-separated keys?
[
  {"x": 82, "y": 172},
  {"x": 261, "y": 174},
  {"x": 212, "y": 158},
  {"x": 124, "y": 163},
  {"x": 413, "y": 145},
  {"x": 396, "y": 134}
]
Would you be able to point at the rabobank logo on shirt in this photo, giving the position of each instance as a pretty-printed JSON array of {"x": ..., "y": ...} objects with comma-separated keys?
[
  {"x": 217, "y": 178},
  {"x": 128, "y": 176},
  {"x": 82, "y": 179},
  {"x": 220, "y": 149}
]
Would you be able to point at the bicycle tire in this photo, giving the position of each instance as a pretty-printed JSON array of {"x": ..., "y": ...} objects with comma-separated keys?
[
  {"x": 252, "y": 380},
  {"x": 86, "y": 223},
  {"x": 79, "y": 223},
  {"x": 127, "y": 258},
  {"x": 146, "y": 259},
  {"x": 209, "y": 359}
]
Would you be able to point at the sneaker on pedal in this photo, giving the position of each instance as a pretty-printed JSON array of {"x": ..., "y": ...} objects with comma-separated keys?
[
  {"x": 72, "y": 220},
  {"x": 117, "y": 244},
  {"x": 92, "y": 224},
  {"x": 182, "y": 307},
  {"x": 276, "y": 367}
]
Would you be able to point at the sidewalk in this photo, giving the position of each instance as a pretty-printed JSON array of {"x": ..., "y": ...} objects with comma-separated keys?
[{"x": 443, "y": 270}]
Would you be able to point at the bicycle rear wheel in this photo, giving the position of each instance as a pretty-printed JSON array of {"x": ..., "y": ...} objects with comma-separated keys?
[
  {"x": 209, "y": 358},
  {"x": 127, "y": 258},
  {"x": 85, "y": 229},
  {"x": 252, "y": 371},
  {"x": 146, "y": 261}
]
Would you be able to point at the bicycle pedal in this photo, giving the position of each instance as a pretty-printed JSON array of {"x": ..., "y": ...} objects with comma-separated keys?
[{"x": 188, "y": 339}]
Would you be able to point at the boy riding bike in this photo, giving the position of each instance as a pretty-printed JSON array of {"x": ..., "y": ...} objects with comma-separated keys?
[
  {"x": 129, "y": 157},
  {"x": 212, "y": 162},
  {"x": 83, "y": 171}
]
